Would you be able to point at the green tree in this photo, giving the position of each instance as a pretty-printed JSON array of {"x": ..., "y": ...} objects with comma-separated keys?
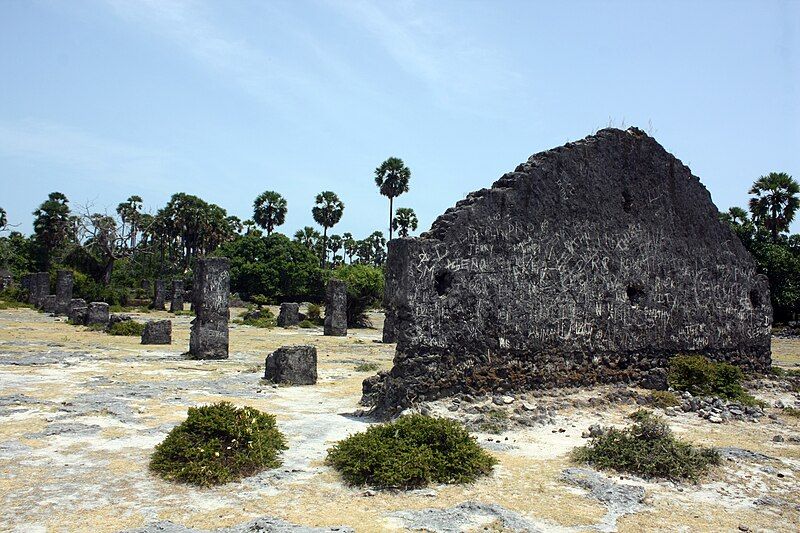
[
  {"x": 269, "y": 210},
  {"x": 335, "y": 243},
  {"x": 327, "y": 212},
  {"x": 3, "y": 219},
  {"x": 53, "y": 227},
  {"x": 775, "y": 202},
  {"x": 392, "y": 180},
  {"x": 130, "y": 214},
  {"x": 308, "y": 237},
  {"x": 404, "y": 220},
  {"x": 739, "y": 221},
  {"x": 350, "y": 246}
]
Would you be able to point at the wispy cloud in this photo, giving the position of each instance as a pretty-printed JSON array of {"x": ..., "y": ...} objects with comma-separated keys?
[
  {"x": 82, "y": 154},
  {"x": 455, "y": 68}
]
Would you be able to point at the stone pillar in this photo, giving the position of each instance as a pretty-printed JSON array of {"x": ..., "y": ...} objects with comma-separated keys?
[
  {"x": 49, "y": 303},
  {"x": 289, "y": 315},
  {"x": 77, "y": 311},
  {"x": 160, "y": 295},
  {"x": 97, "y": 313},
  {"x": 176, "y": 303},
  {"x": 25, "y": 283},
  {"x": 295, "y": 365},
  {"x": 63, "y": 291},
  {"x": 157, "y": 332},
  {"x": 389, "y": 328},
  {"x": 40, "y": 286},
  {"x": 211, "y": 291},
  {"x": 336, "y": 308}
]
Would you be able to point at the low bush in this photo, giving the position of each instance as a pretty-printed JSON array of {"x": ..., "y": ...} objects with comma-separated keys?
[
  {"x": 258, "y": 318},
  {"x": 791, "y": 411},
  {"x": 219, "y": 443},
  {"x": 126, "y": 328},
  {"x": 314, "y": 312},
  {"x": 411, "y": 451},
  {"x": 306, "y": 324},
  {"x": 647, "y": 449},
  {"x": 702, "y": 377},
  {"x": 367, "y": 367},
  {"x": 663, "y": 399}
]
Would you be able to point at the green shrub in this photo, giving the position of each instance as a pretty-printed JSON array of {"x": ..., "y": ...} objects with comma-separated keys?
[
  {"x": 663, "y": 399},
  {"x": 261, "y": 318},
  {"x": 784, "y": 372},
  {"x": 791, "y": 411},
  {"x": 314, "y": 313},
  {"x": 364, "y": 290},
  {"x": 219, "y": 443},
  {"x": 305, "y": 324},
  {"x": 701, "y": 377},
  {"x": 411, "y": 451},
  {"x": 127, "y": 328},
  {"x": 367, "y": 367},
  {"x": 648, "y": 449}
]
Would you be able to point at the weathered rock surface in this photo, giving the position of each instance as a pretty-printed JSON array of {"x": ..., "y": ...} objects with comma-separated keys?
[
  {"x": 64, "y": 282},
  {"x": 176, "y": 302},
  {"x": 593, "y": 262},
  {"x": 336, "y": 308},
  {"x": 295, "y": 365},
  {"x": 160, "y": 295},
  {"x": 49, "y": 303},
  {"x": 289, "y": 314},
  {"x": 157, "y": 332},
  {"x": 261, "y": 525},
  {"x": 78, "y": 311},
  {"x": 211, "y": 290},
  {"x": 98, "y": 313}
]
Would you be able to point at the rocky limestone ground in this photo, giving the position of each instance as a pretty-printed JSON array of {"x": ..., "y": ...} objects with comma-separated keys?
[{"x": 80, "y": 412}]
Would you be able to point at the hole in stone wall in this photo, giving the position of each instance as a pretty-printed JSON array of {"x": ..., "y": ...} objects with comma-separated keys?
[
  {"x": 627, "y": 201},
  {"x": 442, "y": 282},
  {"x": 755, "y": 298},
  {"x": 635, "y": 294}
]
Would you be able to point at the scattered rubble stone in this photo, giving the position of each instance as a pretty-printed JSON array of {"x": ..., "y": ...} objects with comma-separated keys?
[
  {"x": 591, "y": 263},
  {"x": 260, "y": 525},
  {"x": 294, "y": 365},
  {"x": 157, "y": 332}
]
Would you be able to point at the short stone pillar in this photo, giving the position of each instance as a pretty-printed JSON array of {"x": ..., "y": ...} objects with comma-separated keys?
[
  {"x": 295, "y": 365},
  {"x": 64, "y": 283},
  {"x": 211, "y": 291},
  {"x": 289, "y": 315},
  {"x": 77, "y": 311},
  {"x": 117, "y": 318},
  {"x": 97, "y": 313},
  {"x": 176, "y": 303},
  {"x": 25, "y": 284},
  {"x": 157, "y": 332},
  {"x": 49, "y": 303},
  {"x": 40, "y": 287},
  {"x": 336, "y": 308},
  {"x": 160, "y": 296}
]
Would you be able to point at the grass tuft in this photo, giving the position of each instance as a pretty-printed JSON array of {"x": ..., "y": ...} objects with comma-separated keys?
[{"x": 126, "y": 328}]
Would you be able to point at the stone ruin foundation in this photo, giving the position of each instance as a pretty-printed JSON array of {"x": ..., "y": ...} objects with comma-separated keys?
[
  {"x": 64, "y": 283},
  {"x": 97, "y": 313},
  {"x": 211, "y": 291},
  {"x": 176, "y": 303},
  {"x": 336, "y": 308},
  {"x": 593, "y": 262},
  {"x": 294, "y": 365},
  {"x": 289, "y": 315},
  {"x": 157, "y": 332},
  {"x": 160, "y": 295},
  {"x": 37, "y": 285}
]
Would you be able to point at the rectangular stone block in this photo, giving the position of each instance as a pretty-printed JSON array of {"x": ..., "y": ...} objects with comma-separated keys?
[
  {"x": 49, "y": 303},
  {"x": 211, "y": 290},
  {"x": 289, "y": 315},
  {"x": 160, "y": 295},
  {"x": 294, "y": 365},
  {"x": 97, "y": 314},
  {"x": 336, "y": 308},
  {"x": 64, "y": 283},
  {"x": 157, "y": 332},
  {"x": 77, "y": 311}
]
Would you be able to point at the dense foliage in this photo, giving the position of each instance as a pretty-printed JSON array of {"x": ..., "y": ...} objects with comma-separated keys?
[
  {"x": 364, "y": 290},
  {"x": 648, "y": 449},
  {"x": 702, "y": 377},
  {"x": 412, "y": 451},
  {"x": 219, "y": 443}
]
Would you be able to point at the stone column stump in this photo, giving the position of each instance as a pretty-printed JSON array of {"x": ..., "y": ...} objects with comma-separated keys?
[
  {"x": 64, "y": 283},
  {"x": 211, "y": 291},
  {"x": 289, "y": 315},
  {"x": 97, "y": 314},
  {"x": 293, "y": 365},
  {"x": 336, "y": 308},
  {"x": 157, "y": 332},
  {"x": 176, "y": 303}
]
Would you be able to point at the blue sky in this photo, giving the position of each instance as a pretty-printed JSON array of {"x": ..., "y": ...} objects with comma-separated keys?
[{"x": 104, "y": 99}]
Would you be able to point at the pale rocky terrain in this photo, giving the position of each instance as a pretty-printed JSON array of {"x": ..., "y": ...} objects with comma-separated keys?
[{"x": 81, "y": 411}]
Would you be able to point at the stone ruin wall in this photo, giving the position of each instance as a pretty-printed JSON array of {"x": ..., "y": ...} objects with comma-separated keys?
[{"x": 593, "y": 262}]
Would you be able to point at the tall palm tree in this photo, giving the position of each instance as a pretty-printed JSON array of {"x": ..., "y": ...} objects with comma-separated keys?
[
  {"x": 392, "y": 180},
  {"x": 269, "y": 210},
  {"x": 327, "y": 212},
  {"x": 404, "y": 220},
  {"x": 775, "y": 202},
  {"x": 307, "y": 236}
]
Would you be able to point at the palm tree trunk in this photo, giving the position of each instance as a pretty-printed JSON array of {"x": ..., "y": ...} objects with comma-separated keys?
[
  {"x": 390, "y": 218},
  {"x": 324, "y": 244}
]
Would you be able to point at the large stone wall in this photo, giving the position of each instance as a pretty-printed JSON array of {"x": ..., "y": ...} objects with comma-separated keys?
[{"x": 593, "y": 262}]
